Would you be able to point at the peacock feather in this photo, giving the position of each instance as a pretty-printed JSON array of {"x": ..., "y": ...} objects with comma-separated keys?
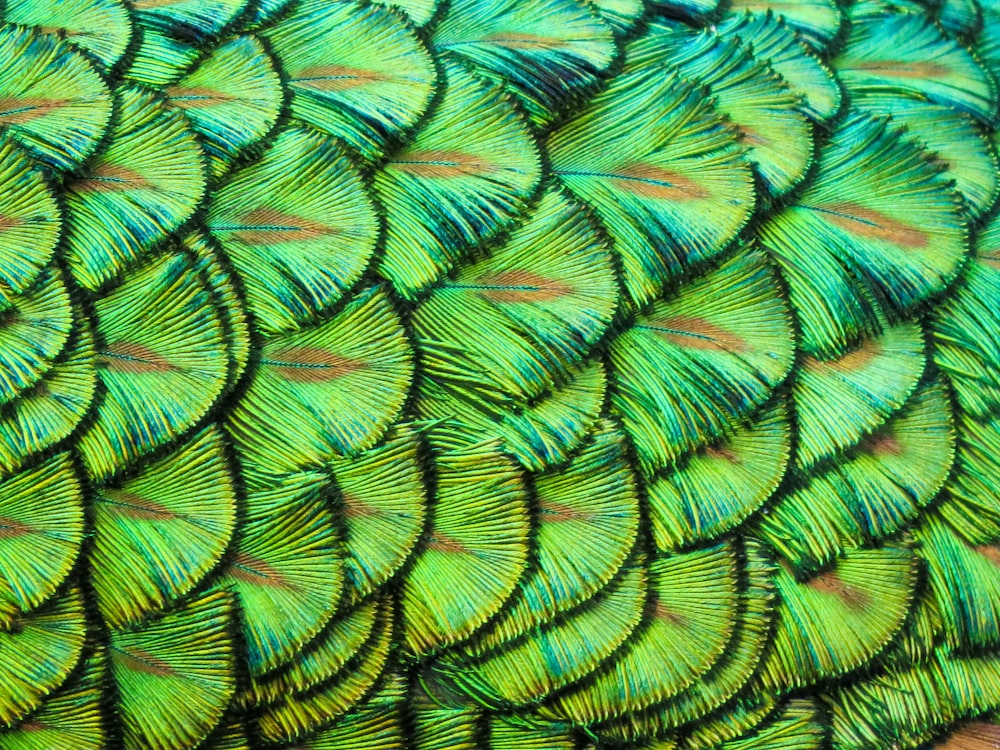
[{"x": 499, "y": 375}]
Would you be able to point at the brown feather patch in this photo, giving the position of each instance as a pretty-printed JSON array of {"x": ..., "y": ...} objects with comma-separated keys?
[
  {"x": 311, "y": 364},
  {"x": 883, "y": 443},
  {"x": 866, "y": 222},
  {"x": 267, "y": 226},
  {"x": 990, "y": 552},
  {"x": 143, "y": 661},
  {"x": 853, "y": 361},
  {"x": 724, "y": 453},
  {"x": 559, "y": 512},
  {"x": 513, "y": 40},
  {"x": 194, "y": 97},
  {"x": 697, "y": 333},
  {"x": 905, "y": 68},
  {"x": 136, "y": 506},
  {"x": 443, "y": 543},
  {"x": 110, "y": 178},
  {"x": 258, "y": 572},
  {"x": 975, "y": 736},
  {"x": 651, "y": 181},
  {"x": 442, "y": 164},
  {"x": 355, "y": 508},
  {"x": 662, "y": 612},
  {"x": 133, "y": 358},
  {"x": 337, "y": 78},
  {"x": 11, "y": 529},
  {"x": 831, "y": 583},
  {"x": 521, "y": 286},
  {"x": 21, "y": 111}
]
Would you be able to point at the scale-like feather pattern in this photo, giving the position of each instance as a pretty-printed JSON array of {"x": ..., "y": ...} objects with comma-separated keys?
[{"x": 499, "y": 375}]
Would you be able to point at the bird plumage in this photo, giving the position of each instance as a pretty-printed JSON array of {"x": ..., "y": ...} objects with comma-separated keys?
[{"x": 501, "y": 374}]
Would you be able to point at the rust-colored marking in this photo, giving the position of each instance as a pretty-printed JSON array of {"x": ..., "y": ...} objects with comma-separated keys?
[
  {"x": 264, "y": 226},
  {"x": 142, "y": 661},
  {"x": 21, "y": 111},
  {"x": 109, "y": 178},
  {"x": 443, "y": 164},
  {"x": 9, "y": 222},
  {"x": 559, "y": 512},
  {"x": 520, "y": 286},
  {"x": 11, "y": 528},
  {"x": 831, "y": 583},
  {"x": 988, "y": 255},
  {"x": 259, "y": 572},
  {"x": 195, "y": 97},
  {"x": 443, "y": 543},
  {"x": 698, "y": 333},
  {"x": 906, "y": 69},
  {"x": 975, "y": 736},
  {"x": 866, "y": 222},
  {"x": 655, "y": 182},
  {"x": 662, "y": 612},
  {"x": 133, "y": 358},
  {"x": 752, "y": 137},
  {"x": 990, "y": 552},
  {"x": 513, "y": 40},
  {"x": 309, "y": 364},
  {"x": 337, "y": 78},
  {"x": 883, "y": 443},
  {"x": 851, "y": 362},
  {"x": 723, "y": 452},
  {"x": 150, "y": 4},
  {"x": 354, "y": 508},
  {"x": 136, "y": 506}
]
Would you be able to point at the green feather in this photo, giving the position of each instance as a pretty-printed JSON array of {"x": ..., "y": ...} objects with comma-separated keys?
[
  {"x": 162, "y": 362},
  {"x": 38, "y": 329},
  {"x": 694, "y": 597},
  {"x": 337, "y": 386},
  {"x": 695, "y": 365},
  {"x": 155, "y": 536},
  {"x": 41, "y": 532},
  {"x": 910, "y": 56},
  {"x": 763, "y": 109},
  {"x": 465, "y": 178},
  {"x": 671, "y": 190},
  {"x": 55, "y": 103},
  {"x": 174, "y": 674},
  {"x": 38, "y": 651},
  {"x": 476, "y": 550},
  {"x": 514, "y": 324},
  {"x": 587, "y": 523},
  {"x": 144, "y": 185},
  {"x": 379, "y": 719},
  {"x": 546, "y": 53},
  {"x": 233, "y": 99},
  {"x": 298, "y": 715},
  {"x": 718, "y": 487},
  {"x": 354, "y": 71},
  {"x": 288, "y": 575},
  {"x": 818, "y": 21},
  {"x": 873, "y": 492},
  {"x": 31, "y": 223},
  {"x": 297, "y": 227},
  {"x": 878, "y": 222},
  {"x": 70, "y": 717},
  {"x": 384, "y": 502},
  {"x": 839, "y": 619},
  {"x": 776, "y": 42},
  {"x": 101, "y": 27}
]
